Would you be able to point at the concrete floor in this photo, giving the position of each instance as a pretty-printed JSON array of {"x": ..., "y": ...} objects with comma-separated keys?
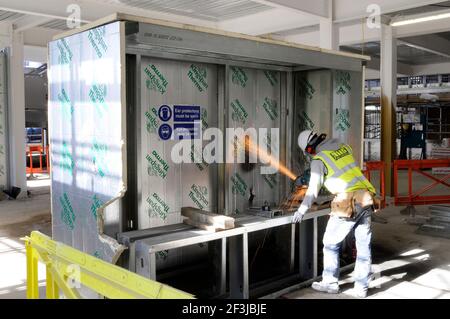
[
  {"x": 37, "y": 204},
  {"x": 408, "y": 265},
  {"x": 17, "y": 219}
]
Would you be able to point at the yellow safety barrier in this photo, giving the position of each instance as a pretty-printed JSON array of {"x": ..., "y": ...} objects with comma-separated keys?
[{"x": 106, "y": 279}]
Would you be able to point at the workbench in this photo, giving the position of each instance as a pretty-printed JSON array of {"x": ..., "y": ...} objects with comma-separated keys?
[{"x": 145, "y": 244}]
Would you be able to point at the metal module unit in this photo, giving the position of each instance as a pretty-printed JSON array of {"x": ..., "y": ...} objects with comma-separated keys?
[{"x": 132, "y": 116}]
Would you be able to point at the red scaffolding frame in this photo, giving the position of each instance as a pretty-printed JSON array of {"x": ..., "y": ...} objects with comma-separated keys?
[
  {"x": 417, "y": 197},
  {"x": 42, "y": 151},
  {"x": 379, "y": 166}
]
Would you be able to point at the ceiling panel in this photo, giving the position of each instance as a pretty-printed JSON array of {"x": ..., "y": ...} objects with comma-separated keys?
[
  {"x": 411, "y": 55},
  {"x": 311, "y": 28},
  {"x": 57, "y": 24},
  {"x": 405, "y": 54},
  {"x": 7, "y": 15},
  {"x": 211, "y": 10},
  {"x": 423, "y": 9},
  {"x": 369, "y": 48},
  {"x": 445, "y": 35}
]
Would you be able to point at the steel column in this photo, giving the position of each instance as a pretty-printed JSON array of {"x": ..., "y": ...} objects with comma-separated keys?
[
  {"x": 388, "y": 69},
  {"x": 292, "y": 259},
  {"x": 152, "y": 265},
  {"x": 315, "y": 247},
  {"x": 223, "y": 267},
  {"x": 245, "y": 282}
]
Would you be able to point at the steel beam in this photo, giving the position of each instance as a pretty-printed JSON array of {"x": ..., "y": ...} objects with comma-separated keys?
[{"x": 182, "y": 41}]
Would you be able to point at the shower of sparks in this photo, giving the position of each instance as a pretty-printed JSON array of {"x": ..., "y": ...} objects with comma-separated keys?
[
  {"x": 267, "y": 158},
  {"x": 295, "y": 198}
]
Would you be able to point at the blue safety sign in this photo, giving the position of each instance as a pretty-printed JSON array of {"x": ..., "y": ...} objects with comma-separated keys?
[
  {"x": 165, "y": 132},
  {"x": 186, "y": 113},
  {"x": 184, "y": 131},
  {"x": 164, "y": 113}
]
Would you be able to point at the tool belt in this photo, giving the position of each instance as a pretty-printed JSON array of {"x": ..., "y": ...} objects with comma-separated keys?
[{"x": 347, "y": 204}]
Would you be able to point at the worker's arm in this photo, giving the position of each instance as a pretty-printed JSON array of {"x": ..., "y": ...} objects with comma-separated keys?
[{"x": 314, "y": 186}]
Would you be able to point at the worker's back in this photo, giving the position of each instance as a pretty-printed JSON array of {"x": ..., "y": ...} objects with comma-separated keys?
[{"x": 342, "y": 172}]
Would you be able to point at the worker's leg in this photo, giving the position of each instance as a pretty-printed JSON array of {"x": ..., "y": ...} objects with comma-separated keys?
[
  {"x": 363, "y": 236},
  {"x": 336, "y": 231}
]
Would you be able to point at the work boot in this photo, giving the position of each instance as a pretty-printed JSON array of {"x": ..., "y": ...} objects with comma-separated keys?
[
  {"x": 359, "y": 293},
  {"x": 321, "y": 286}
]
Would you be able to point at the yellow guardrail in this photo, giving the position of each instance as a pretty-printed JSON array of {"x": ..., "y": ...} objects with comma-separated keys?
[{"x": 67, "y": 269}]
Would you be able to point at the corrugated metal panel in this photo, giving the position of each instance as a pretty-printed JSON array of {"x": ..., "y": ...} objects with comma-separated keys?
[
  {"x": 411, "y": 55},
  {"x": 7, "y": 15},
  {"x": 429, "y": 9},
  {"x": 213, "y": 10},
  {"x": 55, "y": 24},
  {"x": 406, "y": 53},
  {"x": 445, "y": 35}
]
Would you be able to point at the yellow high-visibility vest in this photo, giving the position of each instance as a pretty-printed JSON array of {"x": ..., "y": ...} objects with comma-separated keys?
[{"x": 343, "y": 175}]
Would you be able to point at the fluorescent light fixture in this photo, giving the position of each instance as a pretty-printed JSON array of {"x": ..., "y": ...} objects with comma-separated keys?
[
  {"x": 372, "y": 108},
  {"x": 423, "y": 19},
  {"x": 32, "y": 64}
]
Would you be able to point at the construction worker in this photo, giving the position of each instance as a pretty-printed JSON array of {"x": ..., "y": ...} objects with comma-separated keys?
[{"x": 334, "y": 166}]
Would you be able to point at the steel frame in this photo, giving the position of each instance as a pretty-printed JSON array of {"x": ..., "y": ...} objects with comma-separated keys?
[
  {"x": 171, "y": 40},
  {"x": 188, "y": 44},
  {"x": 172, "y": 43},
  {"x": 145, "y": 249}
]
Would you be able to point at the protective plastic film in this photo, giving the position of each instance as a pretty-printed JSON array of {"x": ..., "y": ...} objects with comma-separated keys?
[
  {"x": 348, "y": 109},
  {"x": 330, "y": 102},
  {"x": 178, "y": 102},
  {"x": 3, "y": 136},
  {"x": 313, "y": 99},
  {"x": 254, "y": 106},
  {"x": 87, "y": 134}
]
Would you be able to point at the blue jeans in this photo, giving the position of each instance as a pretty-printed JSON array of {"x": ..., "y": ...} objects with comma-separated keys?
[{"x": 336, "y": 231}]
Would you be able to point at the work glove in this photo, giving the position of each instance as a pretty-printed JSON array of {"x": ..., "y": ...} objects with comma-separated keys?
[{"x": 298, "y": 217}]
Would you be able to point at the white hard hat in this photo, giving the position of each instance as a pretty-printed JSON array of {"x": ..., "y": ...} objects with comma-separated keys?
[{"x": 304, "y": 138}]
